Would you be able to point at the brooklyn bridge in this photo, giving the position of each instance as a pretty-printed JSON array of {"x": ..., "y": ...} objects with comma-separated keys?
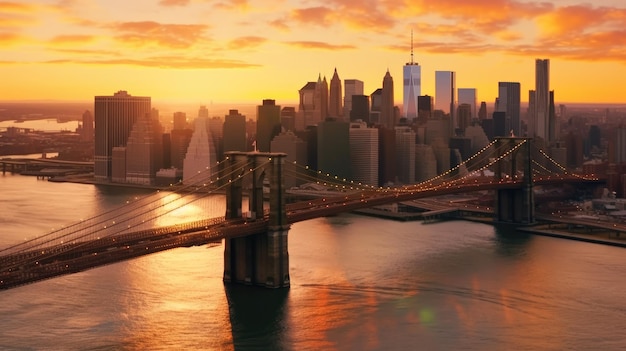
[{"x": 256, "y": 240}]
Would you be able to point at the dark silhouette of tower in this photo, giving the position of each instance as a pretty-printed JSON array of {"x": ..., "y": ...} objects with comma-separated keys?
[
  {"x": 387, "y": 116},
  {"x": 335, "y": 108}
]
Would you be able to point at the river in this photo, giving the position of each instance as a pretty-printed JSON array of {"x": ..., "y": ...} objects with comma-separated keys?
[{"x": 357, "y": 283}]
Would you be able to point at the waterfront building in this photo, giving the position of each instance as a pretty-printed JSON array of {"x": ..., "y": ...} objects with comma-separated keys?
[
  {"x": 114, "y": 118},
  {"x": 144, "y": 151},
  {"x": 363, "y": 153}
]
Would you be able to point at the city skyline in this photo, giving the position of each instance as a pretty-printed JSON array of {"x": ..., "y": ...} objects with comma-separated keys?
[{"x": 247, "y": 51}]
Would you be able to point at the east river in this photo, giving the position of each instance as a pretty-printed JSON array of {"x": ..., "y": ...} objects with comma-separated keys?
[{"x": 357, "y": 283}]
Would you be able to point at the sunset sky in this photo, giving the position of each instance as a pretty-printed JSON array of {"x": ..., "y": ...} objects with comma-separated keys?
[{"x": 247, "y": 50}]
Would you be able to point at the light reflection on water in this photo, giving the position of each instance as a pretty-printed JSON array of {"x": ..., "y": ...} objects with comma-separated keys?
[{"x": 358, "y": 283}]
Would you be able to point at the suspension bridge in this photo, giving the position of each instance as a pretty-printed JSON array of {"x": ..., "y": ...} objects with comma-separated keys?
[{"x": 255, "y": 241}]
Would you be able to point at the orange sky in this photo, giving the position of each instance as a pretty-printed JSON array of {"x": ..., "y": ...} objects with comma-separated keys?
[{"x": 203, "y": 51}]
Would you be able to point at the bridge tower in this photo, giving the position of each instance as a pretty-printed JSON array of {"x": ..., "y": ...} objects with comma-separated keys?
[
  {"x": 261, "y": 258},
  {"x": 515, "y": 205}
]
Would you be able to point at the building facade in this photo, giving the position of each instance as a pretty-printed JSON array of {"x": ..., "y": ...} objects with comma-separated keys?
[{"x": 114, "y": 118}]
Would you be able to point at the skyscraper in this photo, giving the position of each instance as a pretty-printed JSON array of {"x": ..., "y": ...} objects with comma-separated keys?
[
  {"x": 144, "y": 151},
  {"x": 201, "y": 155},
  {"x": 541, "y": 114},
  {"x": 387, "y": 115},
  {"x": 468, "y": 96},
  {"x": 335, "y": 107},
  {"x": 267, "y": 125},
  {"x": 445, "y": 96},
  {"x": 509, "y": 103},
  {"x": 352, "y": 87},
  {"x": 364, "y": 153},
  {"x": 333, "y": 148},
  {"x": 234, "y": 131},
  {"x": 412, "y": 86},
  {"x": 114, "y": 119},
  {"x": 86, "y": 133}
]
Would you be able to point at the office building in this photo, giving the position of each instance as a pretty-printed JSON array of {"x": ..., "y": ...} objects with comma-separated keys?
[
  {"x": 313, "y": 105},
  {"x": 376, "y": 99},
  {"x": 333, "y": 148},
  {"x": 114, "y": 118},
  {"x": 405, "y": 154},
  {"x": 425, "y": 163},
  {"x": 411, "y": 87},
  {"x": 234, "y": 132},
  {"x": 360, "y": 109},
  {"x": 352, "y": 87},
  {"x": 288, "y": 118},
  {"x": 509, "y": 103},
  {"x": 445, "y": 96},
  {"x": 468, "y": 96},
  {"x": 363, "y": 153},
  {"x": 425, "y": 112},
  {"x": 267, "y": 124},
  {"x": 541, "y": 110},
  {"x": 144, "y": 151}
]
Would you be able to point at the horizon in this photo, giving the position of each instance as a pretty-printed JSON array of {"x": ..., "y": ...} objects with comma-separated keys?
[{"x": 167, "y": 50}]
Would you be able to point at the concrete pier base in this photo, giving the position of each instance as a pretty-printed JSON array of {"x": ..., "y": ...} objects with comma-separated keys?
[{"x": 260, "y": 259}]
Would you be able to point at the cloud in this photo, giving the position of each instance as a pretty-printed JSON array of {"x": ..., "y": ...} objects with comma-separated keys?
[
  {"x": 167, "y": 62},
  {"x": 72, "y": 39},
  {"x": 246, "y": 42},
  {"x": 9, "y": 38},
  {"x": 154, "y": 33},
  {"x": 174, "y": 2},
  {"x": 319, "y": 45},
  {"x": 16, "y": 15}
]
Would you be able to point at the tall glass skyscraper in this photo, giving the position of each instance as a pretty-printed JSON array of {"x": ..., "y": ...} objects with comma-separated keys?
[
  {"x": 445, "y": 95},
  {"x": 542, "y": 99},
  {"x": 509, "y": 103},
  {"x": 412, "y": 86}
]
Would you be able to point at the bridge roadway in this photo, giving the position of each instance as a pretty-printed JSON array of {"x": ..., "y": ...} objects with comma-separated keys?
[{"x": 65, "y": 258}]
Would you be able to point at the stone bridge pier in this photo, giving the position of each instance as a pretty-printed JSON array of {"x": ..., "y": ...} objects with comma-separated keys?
[
  {"x": 262, "y": 258},
  {"x": 515, "y": 205}
]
